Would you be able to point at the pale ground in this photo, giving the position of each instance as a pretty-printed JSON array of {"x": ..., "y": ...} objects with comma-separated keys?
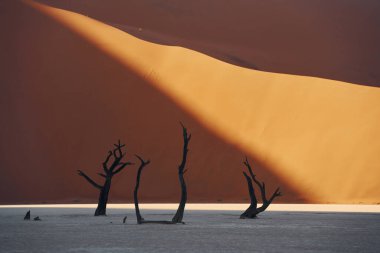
[{"x": 292, "y": 228}]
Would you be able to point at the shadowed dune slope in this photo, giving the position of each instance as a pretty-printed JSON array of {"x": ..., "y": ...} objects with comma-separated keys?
[
  {"x": 65, "y": 102},
  {"x": 337, "y": 39},
  {"x": 72, "y": 85}
]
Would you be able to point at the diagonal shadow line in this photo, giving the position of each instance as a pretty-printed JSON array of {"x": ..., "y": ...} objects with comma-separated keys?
[
  {"x": 264, "y": 58},
  {"x": 77, "y": 89}
]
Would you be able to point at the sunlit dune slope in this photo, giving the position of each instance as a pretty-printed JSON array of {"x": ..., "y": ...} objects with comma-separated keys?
[
  {"x": 337, "y": 39},
  {"x": 72, "y": 85}
]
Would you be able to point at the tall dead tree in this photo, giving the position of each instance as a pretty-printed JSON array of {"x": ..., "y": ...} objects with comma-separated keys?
[
  {"x": 181, "y": 171},
  {"x": 111, "y": 167},
  {"x": 136, "y": 191},
  {"x": 252, "y": 210}
]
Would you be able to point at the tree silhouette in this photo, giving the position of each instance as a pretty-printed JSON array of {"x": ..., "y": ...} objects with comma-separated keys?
[
  {"x": 110, "y": 170},
  {"x": 252, "y": 210},
  {"x": 136, "y": 191},
  {"x": 181, "y": 171}
]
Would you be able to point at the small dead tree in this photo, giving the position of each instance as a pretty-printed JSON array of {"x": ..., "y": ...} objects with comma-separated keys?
[
  {"x": 181, "y": 171},
  {"x": 110, "y": 169},
  {"x": 27, "y": 215},
  {"x": 252, "y": 210}
]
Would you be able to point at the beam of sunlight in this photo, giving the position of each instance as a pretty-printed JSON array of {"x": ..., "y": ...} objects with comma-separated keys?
[{"x": 321, "y": 136}]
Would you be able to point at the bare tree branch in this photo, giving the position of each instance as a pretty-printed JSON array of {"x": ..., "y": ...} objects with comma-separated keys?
[
  {"x": 276, "y": 193},
  {"x": 142, "y": 160},
  {"x": 92, "y": 182},
  {"x": 117, "y": 151},
  {"x": 105, "y": 163},
  {"x": 102, "y": 175},
  {"x": 252, "y": 210},
  {"x": 251, "y": 190},
  {"x": 253, "y": 176},
  {"x": 122, "y": 166},
  {"x": 246, "y": 163},
  {"x": 116, "y": 162}
]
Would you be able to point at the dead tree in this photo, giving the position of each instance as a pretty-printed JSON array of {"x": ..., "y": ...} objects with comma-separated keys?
[
  {"x": 136, "y": 191},
  {"x": 181, "y": 171},
  {"x": 110, "y": 169},
  {"x": 252, "y": 210}
]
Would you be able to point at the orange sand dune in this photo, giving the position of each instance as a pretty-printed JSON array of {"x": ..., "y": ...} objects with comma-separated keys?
[
  {"x": 72, "y": 85},
  {"x": 337, "y": 39}
]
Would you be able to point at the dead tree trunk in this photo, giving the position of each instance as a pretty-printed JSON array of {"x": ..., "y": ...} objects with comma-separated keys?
[
  {"x": 252, "y": 210},
  {"x": 135, "y": 193},
  {"x": 103, "y": 198},
  {"x": 140, "y": 219},
  {"x": 181, "y": 171},
  {"x": 109, "y": 171}
]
